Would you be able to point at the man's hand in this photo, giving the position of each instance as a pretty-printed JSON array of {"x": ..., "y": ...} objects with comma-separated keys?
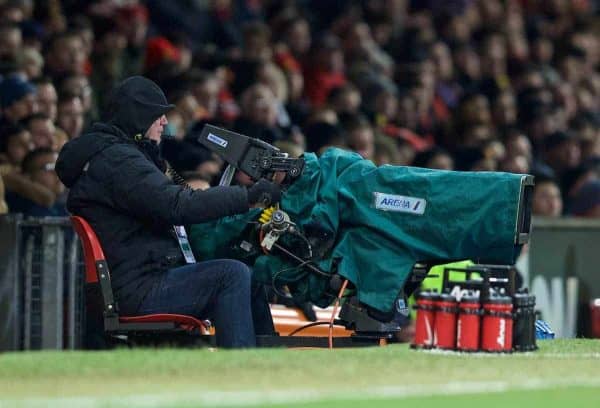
[{"x": 264, "y": 193}]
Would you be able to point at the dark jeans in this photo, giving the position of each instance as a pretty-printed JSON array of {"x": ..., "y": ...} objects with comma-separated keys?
[{"x": 219, "y": 290}]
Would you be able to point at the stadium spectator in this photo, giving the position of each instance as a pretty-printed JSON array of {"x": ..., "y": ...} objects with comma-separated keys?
[
  {"x": 14, "y": 145},
  {"x": 324, "y": 70},
  {"x": 322, "y": 135},
  {"x": 388, "y": 151},
  {"x": 30, "y": 62},
  {"x": 435, "y": 158},
  {"x": 42, "y": 130},
  {"x": 161, "y": 59},
  {"x": 38, "y": 167},
  {"x": 132, "y": 22},
  {"x": 270, "y": 75},
  {"x": 547, "y": 200},
  {"x": 586, "y": 129},
  {"x": 80, "y": 85},
  {"x": 82, "y": 26},
  {"x": 504, "y": 109},
  {"x": 186, "y": 104},
  {"x": 111, "y": 171},
  {"x": 586, "y": 202},
  {"x": 515, "y": 164},
  {"x": 575, "y": 178},
  {"x": 360, "y": 136},
  {"x": 107, "y": 58},
  {"x": 447, "y": 89},
  {"x": 259, "y": 114},
  {"x": 17, "y": 99},
  {"x": 296, "y": 37},
  {"x": 46, "y": 96},
  {"x": 205, "y": 87},
  {"x": 65, "y": 54},
  {"x": 11, "y": 41},
  {"x": 561, "y": 152},
  {"x": 345, "y": 99},
  {"x": 70, "y": 114}
]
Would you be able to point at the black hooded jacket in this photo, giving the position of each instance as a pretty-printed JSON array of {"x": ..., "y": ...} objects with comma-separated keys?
[{"x": 117, "y": 183}]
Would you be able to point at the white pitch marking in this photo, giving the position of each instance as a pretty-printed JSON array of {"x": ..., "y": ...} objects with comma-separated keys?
[{"x": 262, "y": 398}]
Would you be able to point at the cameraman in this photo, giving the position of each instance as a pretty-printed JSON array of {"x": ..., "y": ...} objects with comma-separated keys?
[{"x": 117, "y": 183}]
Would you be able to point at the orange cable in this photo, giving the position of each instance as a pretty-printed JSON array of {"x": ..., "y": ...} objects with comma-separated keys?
[{"x": 333, "y": 313}]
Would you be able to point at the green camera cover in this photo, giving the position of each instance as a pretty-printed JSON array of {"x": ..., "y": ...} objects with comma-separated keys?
[{"x": 381, "y": 220}]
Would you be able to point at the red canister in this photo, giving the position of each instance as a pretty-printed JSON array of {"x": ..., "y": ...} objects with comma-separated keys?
[
  {"x": 595, "y": 317},
  {"x": 497, "y": 325},
  {"x": 445, "y": 322},
  {"x": 425, "y": 320},
  {"x": 469, "y": 322}
]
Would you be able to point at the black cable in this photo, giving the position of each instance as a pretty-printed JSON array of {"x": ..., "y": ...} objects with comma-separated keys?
[
  {"x": 313, "y": 268},
  {"x": 306, "y": 326},
  {"x": 177, "y": 179},
  {"x": 298, "y": 234},
  {"x": 279, "y": 272}
]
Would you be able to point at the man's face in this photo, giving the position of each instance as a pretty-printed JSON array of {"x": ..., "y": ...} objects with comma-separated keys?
[
  {"x": 80, "y": 85},
  {"x": 207, "y": 95},
  {"x": 361, "y": 141},
  {"x": 10, "y": 43},
  {"x": 67, "y": 56},
  {"x": 348, "y": 102},
  {"x": 44, "y": 173},
  {"x": 70, "y": 117},
  {"x": 46, "y": 100},
  {"x": 42, "y": 132},
  {"x": 443, "y": 61},
  {"x": 18, "y": 146},
  {"x": 564, "y": 156},
  {"x": 262, "y": 107},
  {"x": 547, "y": 200},
  {"x": 22, "y": 108},
  {"x": 298, "y": 38},
  {"x": 505, "y": 109},
  {"x": 156, "y": 129}
]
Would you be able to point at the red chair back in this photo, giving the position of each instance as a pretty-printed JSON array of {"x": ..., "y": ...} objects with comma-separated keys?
[{"x": 92, "y": 251}]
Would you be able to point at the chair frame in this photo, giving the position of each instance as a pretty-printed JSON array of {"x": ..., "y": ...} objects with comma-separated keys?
[{"x": 97, "y": 272}]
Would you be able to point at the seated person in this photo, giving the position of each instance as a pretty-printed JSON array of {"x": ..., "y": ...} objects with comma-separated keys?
[
  {"x": 547, "y": 200},
  {"x": 15, "y": 144},
  {"x": 42, "y": 130},
  {"x": 38, "y": 168},
  {"x": 17, "y": 100},
  {"x": 117, "y": 183}
]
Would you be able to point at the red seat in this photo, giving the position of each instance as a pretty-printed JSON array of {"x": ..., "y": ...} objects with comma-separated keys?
[{"x": 96, "y": 271}]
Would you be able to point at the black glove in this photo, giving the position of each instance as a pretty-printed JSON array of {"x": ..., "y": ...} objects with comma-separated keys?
[{"x": 264, "y": 192}]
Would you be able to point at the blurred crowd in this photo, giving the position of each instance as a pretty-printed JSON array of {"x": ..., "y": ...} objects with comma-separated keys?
[{"x": 473, "y": 85}]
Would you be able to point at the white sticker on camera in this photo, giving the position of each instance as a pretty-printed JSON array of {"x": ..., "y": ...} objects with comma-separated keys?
[
  {"x": 217, "y": 140},
  {"x": 391, "y": 202}
]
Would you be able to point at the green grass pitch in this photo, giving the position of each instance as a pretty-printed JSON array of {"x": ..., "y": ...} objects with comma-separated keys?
[{"x": 563, "y": 373}]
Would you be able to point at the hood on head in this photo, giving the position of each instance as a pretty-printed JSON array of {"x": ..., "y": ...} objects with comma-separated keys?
[
  {"x": 76, "y": 153},
  {"x": 135, "y": 104}
]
